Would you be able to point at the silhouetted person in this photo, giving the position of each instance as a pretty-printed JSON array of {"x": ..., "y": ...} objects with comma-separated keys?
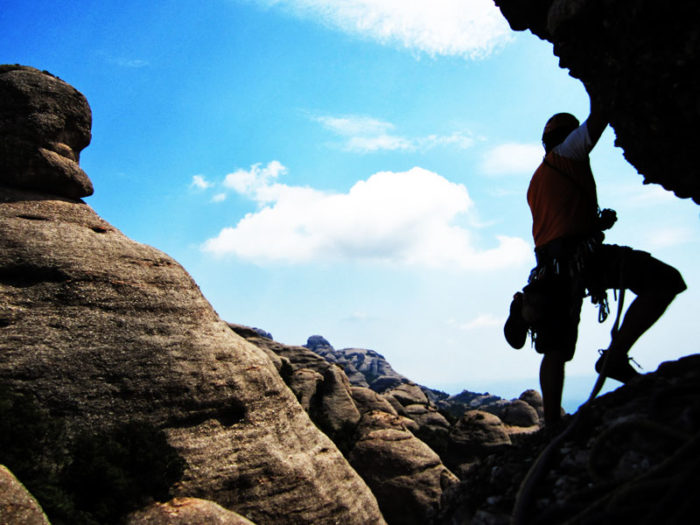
[{"x": 572, "y": 259}]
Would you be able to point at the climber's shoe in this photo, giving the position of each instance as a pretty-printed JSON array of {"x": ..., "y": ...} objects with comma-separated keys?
[
  {"x": 615, "y": 366},
  {"x": 516, "y": 327}
]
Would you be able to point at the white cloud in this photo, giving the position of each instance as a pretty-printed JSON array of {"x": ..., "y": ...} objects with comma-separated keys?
[
  {"x": 669, "y": 237},
  {"x": 379, "y": 143},
  {"x": 352, "y": 125},
  {"x": 470, "y": 29},
  {"x": 405, "y": 218},
  {"x": 365, "y": 134},
  {"x": 199, "y": 182},
  {"x": 482, "y": 321},
  {"x": 512, "y": 158},
  {"x": 255, "y": 182},
  {"x": 219, "y": 197}
]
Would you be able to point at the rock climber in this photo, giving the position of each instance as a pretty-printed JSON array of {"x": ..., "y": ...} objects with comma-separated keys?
[{"x": 573, "y": 261}]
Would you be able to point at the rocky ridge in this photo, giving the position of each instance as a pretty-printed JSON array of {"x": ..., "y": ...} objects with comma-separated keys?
[
  {"x": 408, "y": 450},
  {"x": 406, "y": 475}
]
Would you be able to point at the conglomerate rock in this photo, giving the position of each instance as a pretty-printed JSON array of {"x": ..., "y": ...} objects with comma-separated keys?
[
  {"x": 186, "y": 511},
  {"x": 640, "y": 59},
  {"x": 405, "y": 474},
  {"x": 102, "y": 330},
  {"x": 16, "y": 504},
  {"x": 44, "y": 124}
]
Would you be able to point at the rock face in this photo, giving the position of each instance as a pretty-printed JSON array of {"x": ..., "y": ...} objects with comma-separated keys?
[
  {"x": 186, "y": 511},
  {"x": 100, "y": 329},
  {"x": 16, "y": 504},
  {"x": 44, "y": 124},
  {"x": 641, "y": 59},
  {"x": 634, "y": 457},
  {"x": 406, "y": 475}
]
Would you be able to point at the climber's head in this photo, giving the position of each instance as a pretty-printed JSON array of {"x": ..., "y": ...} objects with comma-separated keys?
[{"x": 557, "y": 129}]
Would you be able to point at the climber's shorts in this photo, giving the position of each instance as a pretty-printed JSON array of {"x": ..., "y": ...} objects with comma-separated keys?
[{"x": 611, "y": 267}]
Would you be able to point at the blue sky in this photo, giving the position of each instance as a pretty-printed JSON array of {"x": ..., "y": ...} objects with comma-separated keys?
[{"x": 355, "y": 169}]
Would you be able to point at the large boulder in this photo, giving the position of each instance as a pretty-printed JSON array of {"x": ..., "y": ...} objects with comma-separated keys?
[
  {"x": 406, "y": 475},
  {"x": 367, "y": 400},
  {"x": 44, "y": 124},
  {"x": 476, "y": 434},
  {"x": 186, "y": 511},
  {"x": 101, "y": 330}
]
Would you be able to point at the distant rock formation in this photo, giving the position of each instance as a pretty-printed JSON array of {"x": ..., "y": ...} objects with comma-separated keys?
[
  {"x": 99, "y": 329},
  {"x": 641, "y": 59}
]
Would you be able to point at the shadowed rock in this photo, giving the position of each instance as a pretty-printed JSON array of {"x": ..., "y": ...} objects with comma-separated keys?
[
  {"x": 44, "y": 125},
  {"x": 186, "y": 511},
  {"x": 405, "y": 474},
  {"x": 641, "y": 60}
]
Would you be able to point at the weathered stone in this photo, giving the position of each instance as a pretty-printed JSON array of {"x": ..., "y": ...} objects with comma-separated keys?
[
  {"x": 304, "y": 383},
  {"x": 519, "y": 413},
  {"x": 102, "y": 330},
  {"x": 316, "y": 343},
  {"x": 407, "y": 477},
  {"x": 426, "y": 416},
  {"x": 328, "y": 400},
  {"x": 433, "y": 428},
  {"x": 477, "y": 431},
  {"x": 186, "y": 511},
  {"x": 338, "y": 410},
  {"x": 17, "y": 505},
  {"x": 44, "y": 124},
  {"x": 383, "y": 383},
  {"x": 624, "y": 461},
  {"x": 534, "y": 399},
  {"x": 407, "y": 394},
  {"x": 367, "y": 400}
]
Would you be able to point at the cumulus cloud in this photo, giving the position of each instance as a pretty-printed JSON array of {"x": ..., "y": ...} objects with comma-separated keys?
[
  {"x": 406, "y": 218},
  {"x": 512, "y": 159},
  {"x": 472, "y": 29},
  {"x": 365, "y": 134}
]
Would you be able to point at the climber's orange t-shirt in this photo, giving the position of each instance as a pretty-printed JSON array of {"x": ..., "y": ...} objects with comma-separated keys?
[{"x": 562, "y": 193}]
